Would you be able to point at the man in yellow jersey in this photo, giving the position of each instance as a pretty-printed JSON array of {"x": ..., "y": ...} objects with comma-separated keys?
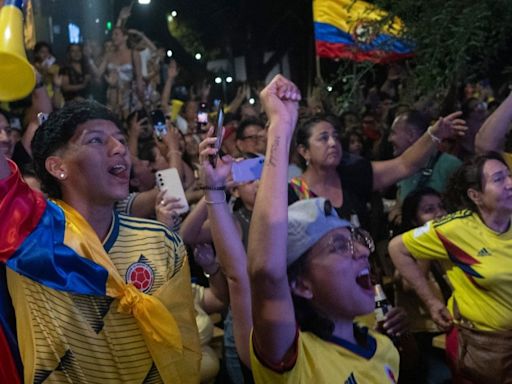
[{"x": 98, "y": 297}]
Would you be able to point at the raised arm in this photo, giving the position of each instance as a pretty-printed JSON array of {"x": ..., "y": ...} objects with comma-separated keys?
[
  {"x": 139, "y": 81},
  {"x": 124, "y": 14},
  {"x": 147, "y": 42},
  {"x": 172, "y": 72},
  {"x": 411, "y": 271},
  {"x": 229, "y": 247},
  {"x": 195, "y": 228},
  {"x": 273, "y": 314},
  {"x": 237, "y": 101},
  {"x": 41, "y": 102},
  {"x": 387, "y": 173},
  {"x": 491, "y": 135}
]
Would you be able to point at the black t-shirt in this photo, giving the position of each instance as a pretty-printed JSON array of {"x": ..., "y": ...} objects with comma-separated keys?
[
  {"x": 75, "y": 78},
  {"x": 20, "y": 156},
  {"x": 356, "y": 176}
]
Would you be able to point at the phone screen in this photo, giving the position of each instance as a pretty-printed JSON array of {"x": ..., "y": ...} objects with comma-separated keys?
[
  {"x": 247, "y": 170},
  {"x": 202, "y": 116},
  {"x": 158, "y": 122},
  {"x": 218, "y": 133}
]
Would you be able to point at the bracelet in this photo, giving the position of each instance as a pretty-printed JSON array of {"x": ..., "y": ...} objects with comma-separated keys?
[
  {"x": 212, "y": 202},
  {"x": 434, "y": 138},
  {"x": 211, "y": 188}
]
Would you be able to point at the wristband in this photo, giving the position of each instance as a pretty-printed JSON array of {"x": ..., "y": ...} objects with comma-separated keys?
[
  {"x": 213, "y": 202},
  {"x": 434, "y": 138},
  {"x": 212, "y": 188}
]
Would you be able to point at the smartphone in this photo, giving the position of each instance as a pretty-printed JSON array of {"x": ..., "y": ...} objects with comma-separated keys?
[
  {"x": 202, "y": 116},
  {"x": 218, "y": 134},
  {"x": 247, "y": 170},
  {"x": 158, "y": 122},
  {"x": 169, "y": 179}
]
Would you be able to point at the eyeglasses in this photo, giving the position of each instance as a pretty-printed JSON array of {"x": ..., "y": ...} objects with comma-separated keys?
[
  {"x": 346, "y": 246},
  {"x": 252, "y": 137},
  {"x": 7, "y": 129}
]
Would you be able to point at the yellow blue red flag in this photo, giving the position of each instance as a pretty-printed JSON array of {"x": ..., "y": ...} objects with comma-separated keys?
[
  {"x": 359, "y": 31},
  {"x": 52, "y": 244}
]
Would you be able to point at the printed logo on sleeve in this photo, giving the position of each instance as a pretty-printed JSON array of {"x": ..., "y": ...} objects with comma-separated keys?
[{"x": 421, "y": 230}]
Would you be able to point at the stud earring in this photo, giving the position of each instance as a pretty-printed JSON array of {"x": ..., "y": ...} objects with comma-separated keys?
[{"x": 62, "y": 175}]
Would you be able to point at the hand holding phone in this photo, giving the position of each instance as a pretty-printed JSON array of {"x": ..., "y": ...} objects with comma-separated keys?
[
  {"x": 218, "y": 134},
  {"x": 247, "y": 170},
  {"x": 159, "y": 124},
  {"x": 169, "y": 179}
]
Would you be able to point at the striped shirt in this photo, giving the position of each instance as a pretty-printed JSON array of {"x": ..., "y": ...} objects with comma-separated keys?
[{"x": 84, "y": 339}]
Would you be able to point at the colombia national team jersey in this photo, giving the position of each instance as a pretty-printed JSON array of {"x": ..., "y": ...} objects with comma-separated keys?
[
  {"x": 479, "y": 268},
  {"x": 335, "y": 361}
]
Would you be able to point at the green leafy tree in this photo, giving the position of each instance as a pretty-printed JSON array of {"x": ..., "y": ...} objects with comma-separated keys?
[{"x": 455, "y": 41}]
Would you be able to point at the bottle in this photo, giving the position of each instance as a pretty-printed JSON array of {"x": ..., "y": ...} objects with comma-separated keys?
[
  {"x": 382, "y": 307},
  {"x": 382, "y": 304}
]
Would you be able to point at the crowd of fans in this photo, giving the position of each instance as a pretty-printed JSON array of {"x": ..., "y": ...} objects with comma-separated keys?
[{"x": 279, "y": 294}]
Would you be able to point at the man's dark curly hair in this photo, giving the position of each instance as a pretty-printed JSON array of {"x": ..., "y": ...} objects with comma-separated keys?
[{"x": 56, "y": 132}]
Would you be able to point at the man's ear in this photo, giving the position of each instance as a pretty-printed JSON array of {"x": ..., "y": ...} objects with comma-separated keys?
[
  {"x": 56, "y": 167},
  {"x": 475, "y": 196},
  {"x": 302, "y": 288},
  {"x": 412, "y": 135}
]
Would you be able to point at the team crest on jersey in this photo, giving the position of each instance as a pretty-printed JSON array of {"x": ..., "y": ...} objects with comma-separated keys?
[
  {"x": 141, "y": 275},
  {"x": 390, "y": 374}
]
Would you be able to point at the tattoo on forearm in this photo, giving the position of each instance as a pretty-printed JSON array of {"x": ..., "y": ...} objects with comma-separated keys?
[{"x": 273, "y": 149}]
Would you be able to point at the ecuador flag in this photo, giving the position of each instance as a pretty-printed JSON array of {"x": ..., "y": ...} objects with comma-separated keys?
[{"x": 357, "y": 30}]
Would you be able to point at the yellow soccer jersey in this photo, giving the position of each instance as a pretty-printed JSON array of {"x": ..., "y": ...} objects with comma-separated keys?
[
  {"x": 479, "y": 268},
  {"x": 70, "y": 338},
  {"x": 335, "y": 361}
]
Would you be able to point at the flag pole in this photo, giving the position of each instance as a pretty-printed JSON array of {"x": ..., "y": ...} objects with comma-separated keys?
[{"x": 318, "y": 70}]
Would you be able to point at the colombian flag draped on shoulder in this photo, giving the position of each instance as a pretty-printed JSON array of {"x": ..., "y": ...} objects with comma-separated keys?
[
  {"x": 357, "y": 30},
  {"x": 51, "y": 243}
]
